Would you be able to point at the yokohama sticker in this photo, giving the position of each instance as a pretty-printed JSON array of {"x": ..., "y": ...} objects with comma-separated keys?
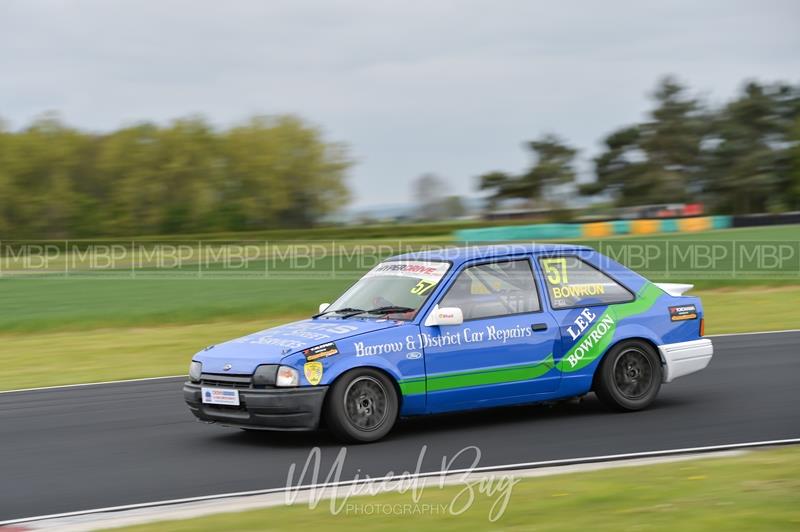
[
  {"x": 684, "y": 312},
  {"x": 321, "y": 351}
]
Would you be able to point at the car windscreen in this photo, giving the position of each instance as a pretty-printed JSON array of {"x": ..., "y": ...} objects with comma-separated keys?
[{"x": 392, "y": 289}]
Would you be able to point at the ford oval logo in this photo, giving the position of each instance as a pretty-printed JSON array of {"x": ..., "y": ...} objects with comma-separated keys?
[
  {"x": 227, "y": 367},
  {"x": 413, "y": 355}
]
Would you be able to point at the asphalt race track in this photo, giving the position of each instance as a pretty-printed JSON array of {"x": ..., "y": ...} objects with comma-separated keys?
[{"x": 80, "y": 448}]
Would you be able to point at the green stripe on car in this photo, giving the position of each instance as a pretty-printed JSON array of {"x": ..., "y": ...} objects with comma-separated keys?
[{"x": 590, "y": 346}]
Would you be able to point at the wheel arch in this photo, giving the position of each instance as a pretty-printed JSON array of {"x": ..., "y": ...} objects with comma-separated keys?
[
  {"x": 643, "y": 338},
  {"x": 392, "y": 378}
]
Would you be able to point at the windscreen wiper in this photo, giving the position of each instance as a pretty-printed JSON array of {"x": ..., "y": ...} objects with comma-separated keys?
[
  {"x": 349, "y": 311},
  {"x": 390, "y": 309}
]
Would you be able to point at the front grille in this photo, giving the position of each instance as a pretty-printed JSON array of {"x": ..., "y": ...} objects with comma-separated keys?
[{"x": 226, "y": 381}]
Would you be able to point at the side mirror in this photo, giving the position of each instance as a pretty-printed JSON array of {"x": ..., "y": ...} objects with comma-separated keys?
[
  {"x": 323, "y": 307},
  {"x": 444, "y": 316}
]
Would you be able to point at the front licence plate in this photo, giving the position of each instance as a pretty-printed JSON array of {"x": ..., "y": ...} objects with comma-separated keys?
[{"x": 220, "y": 396}]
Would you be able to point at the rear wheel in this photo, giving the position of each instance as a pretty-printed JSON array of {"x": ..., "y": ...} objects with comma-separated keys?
[
  {"x": 361, "y": 406},
  {"x": 629, "y": 376}
]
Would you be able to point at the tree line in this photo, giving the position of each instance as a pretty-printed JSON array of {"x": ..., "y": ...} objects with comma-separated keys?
[
  {"x": 280, "y": 172},
  {"x": 737, "y": 158},
  {"x": 59, "y": 182}
]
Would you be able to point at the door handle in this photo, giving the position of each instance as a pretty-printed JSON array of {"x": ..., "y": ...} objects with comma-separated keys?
[{"x": 539, "y": 327}]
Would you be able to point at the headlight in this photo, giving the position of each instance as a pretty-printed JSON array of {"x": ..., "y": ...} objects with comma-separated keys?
[
  {"x": 195, "y": 371},
  {"x": 287, "y": 377},
  {"x": 265, "y": 375}
]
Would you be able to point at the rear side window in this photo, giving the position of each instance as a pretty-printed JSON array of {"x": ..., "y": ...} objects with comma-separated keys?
[
  {"x": 493, "y": 290},
  {"x": 573, "y": 283}
]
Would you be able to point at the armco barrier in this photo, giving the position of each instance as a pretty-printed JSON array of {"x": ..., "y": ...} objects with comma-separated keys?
[
  {"x": 757, "y": 220},
  {"x": 520, "y": 232},
  {"x": 645, "y": 227},
  {"x": 693, "y": 225},
  {"x": 722, "y": 222},
  {"x": 669, "y": 226},
  {"x": 592, "y": 230},
  {"x": 621, "y": 227},
  {"x": 597, "y": 230}
]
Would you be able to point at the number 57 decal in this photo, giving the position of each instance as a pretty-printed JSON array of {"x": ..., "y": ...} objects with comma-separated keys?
[
  {"x": 423, "y": 287},
  {"x": 556, "y": 270}
]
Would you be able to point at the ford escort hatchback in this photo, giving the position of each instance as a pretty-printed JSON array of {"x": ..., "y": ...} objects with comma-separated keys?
[{"x": 453, "y": 330}]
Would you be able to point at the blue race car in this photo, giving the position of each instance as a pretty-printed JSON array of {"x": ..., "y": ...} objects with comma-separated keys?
[{"x": 457, "y": 329}]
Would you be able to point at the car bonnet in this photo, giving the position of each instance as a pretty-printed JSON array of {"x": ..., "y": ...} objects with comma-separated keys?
[{"x": 242, "y": 355}]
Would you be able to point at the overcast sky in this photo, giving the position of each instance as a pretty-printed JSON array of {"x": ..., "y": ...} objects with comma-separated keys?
[{"x": 450, "y": 87}]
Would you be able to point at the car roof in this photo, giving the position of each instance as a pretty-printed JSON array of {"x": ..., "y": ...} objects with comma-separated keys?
[{"x": 461, "y": 254}]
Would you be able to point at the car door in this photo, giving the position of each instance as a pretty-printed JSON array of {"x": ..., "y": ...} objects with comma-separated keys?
[{"x": 502, "y": 353}]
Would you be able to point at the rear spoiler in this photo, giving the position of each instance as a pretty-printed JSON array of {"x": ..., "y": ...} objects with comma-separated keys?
[{"x": 674, "y": 289}]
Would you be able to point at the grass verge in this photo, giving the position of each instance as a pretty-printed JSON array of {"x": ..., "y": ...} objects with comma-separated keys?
[
  {"x": 67, "y": 357},
  {"x": 756, "y": 491},
  {"x": 757, "y": 308}
]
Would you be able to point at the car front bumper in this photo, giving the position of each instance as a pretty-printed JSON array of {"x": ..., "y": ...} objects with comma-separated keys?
[
  {"x": 269, "y": 408},
  {"x": 683, "y": 358}
]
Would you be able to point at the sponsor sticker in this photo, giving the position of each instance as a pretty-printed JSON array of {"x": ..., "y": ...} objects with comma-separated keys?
[
  {"x": 428, "y": 273},
  {"x": 220, "y": 396},
  {"x": 321, "y": 351},
  {"x": 683, "y": 312},
  {"x": 313, "y": 372}
]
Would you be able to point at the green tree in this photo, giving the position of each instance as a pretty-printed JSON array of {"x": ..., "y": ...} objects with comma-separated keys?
[
  {"x": 659, "y": 160},
  {"x": 126, "y": 186},
  {"x": 56, "y": 181},
  {"x": 749, "y": 163},
  {"x": 7, "y": 193},
  {"x": 42, "y": 167},
  {"x": 794, "y": 168},
  {"x": 553, "y": 165},
  {"x": 188, "y": 166},
  {"x": 281, "y": 172}
]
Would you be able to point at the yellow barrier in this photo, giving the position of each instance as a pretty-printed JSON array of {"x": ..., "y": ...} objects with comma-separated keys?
[
  {"x": 690, "y": 225},
  {"x": 645, "y": 227},
  {"x": 597, "y": 229},
  {"x": 592, "y": 230}
]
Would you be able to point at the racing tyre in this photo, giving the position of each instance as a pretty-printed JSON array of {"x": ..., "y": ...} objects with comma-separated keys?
[
  {"x": 361, "y": 406},
  {"x": 629, "y": 376}
]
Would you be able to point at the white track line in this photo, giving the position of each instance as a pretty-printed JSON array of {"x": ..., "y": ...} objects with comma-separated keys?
[
  {"x": 176, "y": 376},
  {"x": 505, "y": 467},
  {"x": 79, "y": 385},
  {"x": 752, "y": 333}
]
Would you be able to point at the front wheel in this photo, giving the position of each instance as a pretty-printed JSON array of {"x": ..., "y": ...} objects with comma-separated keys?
[
  {"x": 629, "y": 376},
  {"x": 361, "y": 406}
]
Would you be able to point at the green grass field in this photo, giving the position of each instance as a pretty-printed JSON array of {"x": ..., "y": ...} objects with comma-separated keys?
[
  {"x": 82, "y": 328},
  {"x": 756, "y": 491},
  {"x": 56, "y": 356},
  {"x": 272, "y": 287}
]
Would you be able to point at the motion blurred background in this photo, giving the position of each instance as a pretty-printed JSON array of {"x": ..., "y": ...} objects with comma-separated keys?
[{"x": 177, "y": 173}]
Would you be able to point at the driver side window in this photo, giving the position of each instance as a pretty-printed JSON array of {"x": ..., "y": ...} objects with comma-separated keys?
[{"x": 494, "y": 289}]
